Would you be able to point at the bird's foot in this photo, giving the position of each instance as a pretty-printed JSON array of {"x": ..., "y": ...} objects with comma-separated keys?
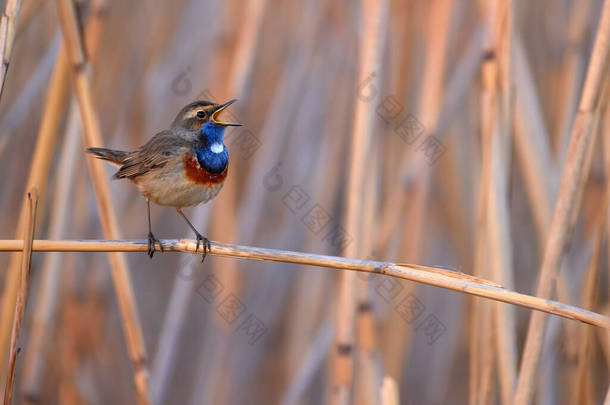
[
  {"x": 206, "y": 245},
  {"x": 151, "y": 244}
]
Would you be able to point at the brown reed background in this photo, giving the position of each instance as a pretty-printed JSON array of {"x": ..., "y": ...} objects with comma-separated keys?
[{"x": 343, "y": 105}]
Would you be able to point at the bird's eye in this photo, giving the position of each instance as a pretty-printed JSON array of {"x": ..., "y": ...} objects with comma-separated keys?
[{"x": 200, "y": 114}]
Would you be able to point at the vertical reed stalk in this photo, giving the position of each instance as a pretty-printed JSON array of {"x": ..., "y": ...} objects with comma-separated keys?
[
  {"x": 373, "y": 15},
  {"x": 481, "y": 346},
  {"x": 91, "y": 137},
  {"x": 39, "y": 170},
  {"x": 31, "y": 203},
  {"x": 370, "y": 374},
  {"x": 583, "y": 383},
  {"x": 46, "y": 302},
  {"x": 567, "y": 203},
  {"x": 415, "y": 215},
  {"x": 498, "y": 222}
]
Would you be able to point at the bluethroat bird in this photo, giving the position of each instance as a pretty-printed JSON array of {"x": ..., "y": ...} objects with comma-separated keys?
[{"x": 180, "y": 167}]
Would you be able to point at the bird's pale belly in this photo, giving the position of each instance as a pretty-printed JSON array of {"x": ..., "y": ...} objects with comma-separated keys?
[{"x": 170, "y": 186}]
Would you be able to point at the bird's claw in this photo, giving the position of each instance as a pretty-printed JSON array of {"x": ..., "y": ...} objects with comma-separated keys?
[
  {"x": 206, "y": 245},
  {"x": 151, "y": 244}
]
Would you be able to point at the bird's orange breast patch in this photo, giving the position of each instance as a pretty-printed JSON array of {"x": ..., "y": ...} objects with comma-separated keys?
[{"x": 197, "y": 174}]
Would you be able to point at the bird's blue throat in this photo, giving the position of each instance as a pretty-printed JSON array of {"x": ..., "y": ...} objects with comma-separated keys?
[{"x": 211, "y": 152}]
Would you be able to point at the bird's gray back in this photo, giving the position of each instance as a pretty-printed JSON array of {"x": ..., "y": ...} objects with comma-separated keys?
[{"x": 157, "y": 152}]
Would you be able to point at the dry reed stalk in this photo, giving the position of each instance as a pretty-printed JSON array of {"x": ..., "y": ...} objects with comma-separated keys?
[
  {"x": 398, "y": 336},
  {"x": 427, "y": 112},
  {"x": 8, "y": 27},
  {"x": 370, "y": 374},
  {"x": 500, "y": 246},
  {"x": 531, "y": 143},
  {"x": 45, "y": 302},
  {"x": 481, "y": 344},
  {"x": 19, "y": 111},
  {"x": 606, "y": 157},
  {"x": 498, "y": 221},
  {"x": 287, "y": 92},
  {"x": 373, "y": 14},
  {"x": 30, "y": 203},
  {"x": 309, "y": 364},
  {"x": 247, "y": 44},
  {"x": 583, "y": 338},
  {"x": 458, "y": 84},
  {"x": 567, "y": 203},
  {"x": 576, "y": 343},
  {"x": 91, "y": 137},
  {"x": 314, "y": 290},
  {"x": 583, "y": 383},
  {"x": 429, "y": 104},
  {"x": 29, "y": 10},
  {"x": 389, "y": 392},
  {"x": 435, "y": 276},
  {"x": 571, "y": 76},
  {"x": 538, "y": 167},
  {"x": 39, "y": 170}
]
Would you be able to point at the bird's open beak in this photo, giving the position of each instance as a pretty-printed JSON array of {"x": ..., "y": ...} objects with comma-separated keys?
[{"x": 221, "y": 108}]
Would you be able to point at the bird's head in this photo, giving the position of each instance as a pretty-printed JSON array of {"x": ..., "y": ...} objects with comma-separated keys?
[{"x": 197, "y": 113}]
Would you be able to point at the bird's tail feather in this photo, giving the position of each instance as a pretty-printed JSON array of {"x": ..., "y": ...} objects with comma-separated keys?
[{"x": 111, "y": 155}]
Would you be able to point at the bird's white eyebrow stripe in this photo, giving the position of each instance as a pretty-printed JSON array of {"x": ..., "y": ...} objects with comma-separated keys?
[{"x": 217, "y": 147}]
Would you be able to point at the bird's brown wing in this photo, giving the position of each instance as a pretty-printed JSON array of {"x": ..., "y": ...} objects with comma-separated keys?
[{"x": 153, "y": 154}]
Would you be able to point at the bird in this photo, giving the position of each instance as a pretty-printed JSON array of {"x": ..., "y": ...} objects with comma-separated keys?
[{"x": 183, "y": 166}]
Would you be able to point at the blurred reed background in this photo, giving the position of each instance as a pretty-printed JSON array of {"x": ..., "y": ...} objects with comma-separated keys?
[{"x": 430, "y": 132}]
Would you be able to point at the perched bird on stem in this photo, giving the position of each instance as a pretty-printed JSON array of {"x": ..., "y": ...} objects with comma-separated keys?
[{"x": 180, "y": 167}]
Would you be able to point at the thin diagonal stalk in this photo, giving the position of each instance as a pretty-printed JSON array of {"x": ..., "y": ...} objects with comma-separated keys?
[
  {"x": 439, "y": 277},
  {"x": 8, "y": 27},
  {"x": 572, "y": 72},
  {"x": 29, "y": 93},
  {"x": 532, "y": 146},
  {"x": 91, "y": 137},
  {"x": 39, "y": 170},
  {"x": 45, "y": 302},
  {"x": 567, "y": 204},
  {"x": 31, "y": 203},
  {"x": 309, "y": 364},
  {"x": 538, "y": 169},
  {"x": 30, "y": 9}
]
